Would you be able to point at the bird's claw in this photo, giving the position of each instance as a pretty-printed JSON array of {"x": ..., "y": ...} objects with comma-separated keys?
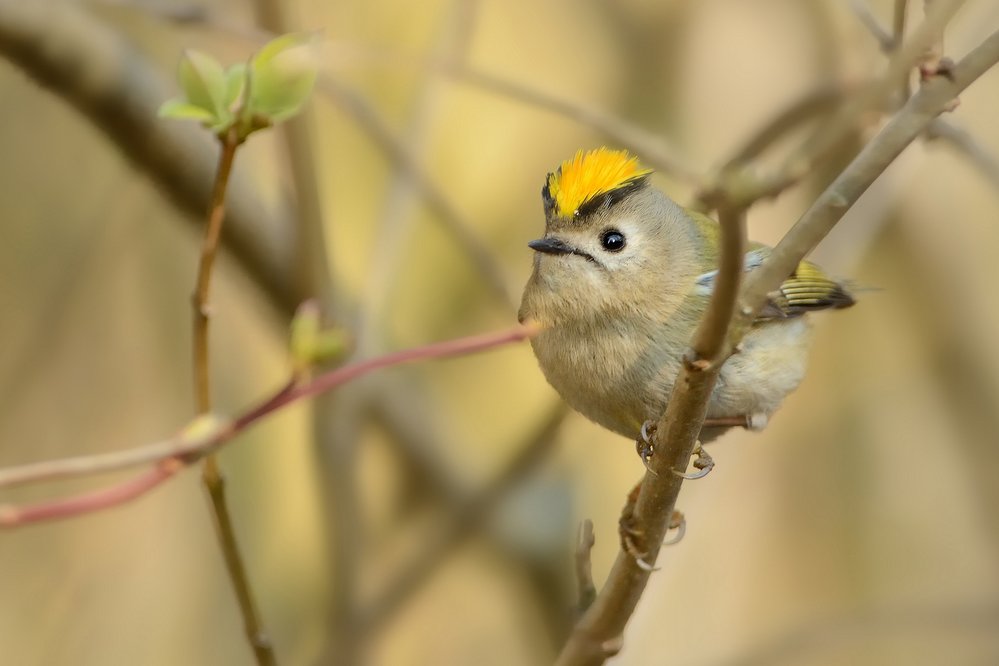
[
  {"x": 632, "y": 537},
  {"x": 678, "y": 522},
  {"x": 643, "y": 445},
  {"x": 703, "y": 463}
]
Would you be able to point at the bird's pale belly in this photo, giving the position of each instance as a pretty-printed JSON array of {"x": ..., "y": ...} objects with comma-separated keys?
[{"x": 620, "y": 385}]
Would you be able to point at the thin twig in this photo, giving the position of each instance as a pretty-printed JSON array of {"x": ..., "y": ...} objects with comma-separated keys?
[
  {"x": 103, "y": 498},
  {"x": 809, "y": 106},
  {"x": 316, "y": 276},
  {"x": 458, "y": 226},
  {"x": 469, "y": 518},
  {"x": 744, "y": 187},
  {"x": 730, "y": 184},
  {"x": 601, "y": 627},
  {"x": 191, "y": 447},
  {"x": 652, "y": 148},
  {"x": 932, "y": 99},
  {"x": 898, "y": 20},
  {"x": 966, "y": 145},
  {"x": 598, "y": 633},
  {"x": 396, "y": 221},
  {"x": 229, "y": 142},
  {"x": 885, "y": 39},
  {"x": 586, "y": 590},
  {"x": 210, "y": 474},
  {"x": 89, "y": 66}
]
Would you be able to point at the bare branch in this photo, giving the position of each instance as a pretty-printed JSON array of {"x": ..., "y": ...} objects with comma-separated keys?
[
  {"x": 603, "y": 624},
  {"x": 886, "y": 40},
  {"x": 742, "y": 188},
  {"x": 932, "y": 99},
  {"x": 601, "y": 627},
  {"x": 64, "y": 48},
  {"x": 967, "y": 145},
  {"x": 809, "y": 106},
  {"x": 190, "y": 447},
  {"x": 470, "y": 517},
  {"x": 584, "y": 568}
]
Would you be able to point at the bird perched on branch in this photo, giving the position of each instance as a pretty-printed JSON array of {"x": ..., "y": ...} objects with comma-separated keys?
[{"x": 621, "y": 279}]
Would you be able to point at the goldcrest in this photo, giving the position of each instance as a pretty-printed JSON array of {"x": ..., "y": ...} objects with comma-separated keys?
[{"x": 620, "y": 281}]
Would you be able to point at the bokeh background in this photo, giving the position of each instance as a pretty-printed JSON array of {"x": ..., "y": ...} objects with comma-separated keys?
[{"x": 400, "y": 521}]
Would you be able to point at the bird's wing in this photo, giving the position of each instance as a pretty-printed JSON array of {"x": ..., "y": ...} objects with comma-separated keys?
[{"x": 808, "y": 288}]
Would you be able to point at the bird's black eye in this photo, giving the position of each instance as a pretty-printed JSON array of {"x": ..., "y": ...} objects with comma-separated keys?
[{"x": 612, "y": 240}]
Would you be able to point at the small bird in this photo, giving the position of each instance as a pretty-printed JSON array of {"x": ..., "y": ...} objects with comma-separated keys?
[{"x": 621, "y": 279}]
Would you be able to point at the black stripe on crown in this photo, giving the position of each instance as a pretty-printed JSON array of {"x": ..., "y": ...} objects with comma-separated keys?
[{"x": 610, "y": 197}]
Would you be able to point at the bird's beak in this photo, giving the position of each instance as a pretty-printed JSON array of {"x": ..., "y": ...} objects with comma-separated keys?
[{"x": 551, "y": 246}]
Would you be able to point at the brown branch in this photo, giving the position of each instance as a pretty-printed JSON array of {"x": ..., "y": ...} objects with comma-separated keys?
[
  {"x": 966, "y": 145},
  {"x": 229, "y": 142},
  {"x": 653, "y": 149},
  {"x": 809, "y": 106},
  {"x": 468, "y": 519},
  {"x": 598, "y": 633},
  {"x": 211, "y": 475},
  {"x": 898, "y": 34},
  {"x": 600, "y": 628},
  {"x": 932, "y": 99},
  {"x": 189, "y": 447},
  {"x": 586, "y": 590},
  {"x": 743, "y": 187},
  {"x": 316, "y": 276},
  {"x": 109, "y": 82},
  {"x": 396, "y": 218},
  {"x": 452, "y": 221},
  {"x": 886, "y": 40}
]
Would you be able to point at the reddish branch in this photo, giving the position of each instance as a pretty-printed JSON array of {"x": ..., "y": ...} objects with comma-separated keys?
[{"x": 172, "y": 455}]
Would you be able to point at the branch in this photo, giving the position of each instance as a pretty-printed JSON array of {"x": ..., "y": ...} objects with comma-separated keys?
[
  {"x": 598, "y": 633},
  {"x": 64, "y": 48},
  {"x": 211, "y": 475},
  {"x": 652, "y": 148},
  {"x": 886, "y": 40},
  {"x": 601, "y": 627},
  {"x": 469, "y": 517},
  {"x": 187, "y": 448},
  {"x": 586, "y": 590},
  {"x": 933, "y": 97},
  {"x": 744, "y": 187},
  {"x": 968, "y": 146}
]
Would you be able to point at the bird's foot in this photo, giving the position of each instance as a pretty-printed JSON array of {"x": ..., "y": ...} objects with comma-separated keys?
[
  {"x": 703, "y": 463},
  {"x": 643, "y": 445},
  {"x": 633, "y": 538},
  {"x": 678, "y": 522}
]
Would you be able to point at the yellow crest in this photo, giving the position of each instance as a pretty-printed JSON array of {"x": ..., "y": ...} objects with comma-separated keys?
[{"x": 588, "y": 175}]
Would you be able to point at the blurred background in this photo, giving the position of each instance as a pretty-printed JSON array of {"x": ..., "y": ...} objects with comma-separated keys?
[{"x": 428, "y": 515}]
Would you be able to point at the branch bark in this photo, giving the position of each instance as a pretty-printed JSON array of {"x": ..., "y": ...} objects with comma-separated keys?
[
  {"x": 189, "y": 447},
  {"x": 64, "y": 48},
  {"x": 602, "y": 626}
]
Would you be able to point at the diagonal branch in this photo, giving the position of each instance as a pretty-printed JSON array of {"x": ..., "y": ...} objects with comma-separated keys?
[
  {"x": 597, "y": 635},
  {"x": 600, "y": 629},
  {"x": 74, "y": 55},
  {"x": 193, "y": 444}
]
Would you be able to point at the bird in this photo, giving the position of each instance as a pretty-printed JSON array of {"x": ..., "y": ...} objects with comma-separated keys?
[{"x": 620, "y": 280}]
